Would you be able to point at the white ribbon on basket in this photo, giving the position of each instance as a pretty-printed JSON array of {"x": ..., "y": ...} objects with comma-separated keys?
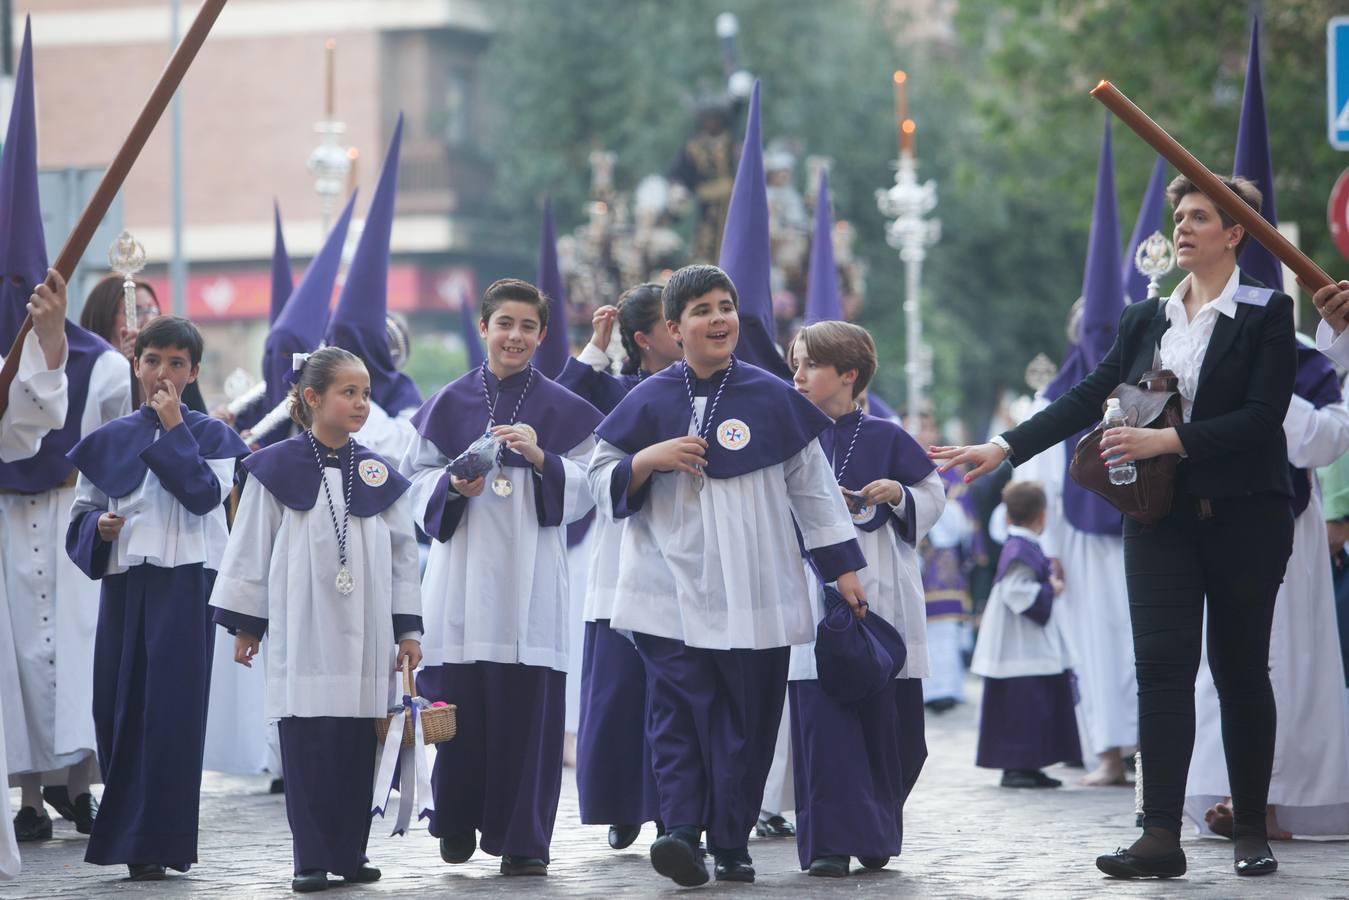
[{"x": 415, "y": 788}]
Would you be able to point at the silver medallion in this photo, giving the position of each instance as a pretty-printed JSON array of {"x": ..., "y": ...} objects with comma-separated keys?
[
  {"x": 528, "y": 431},
  {"x": 345, "y": 583},
  {"x": 502, "y": 486}
]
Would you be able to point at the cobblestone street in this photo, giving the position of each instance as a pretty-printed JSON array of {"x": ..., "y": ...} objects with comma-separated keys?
[{"x": 966, "y": 837}]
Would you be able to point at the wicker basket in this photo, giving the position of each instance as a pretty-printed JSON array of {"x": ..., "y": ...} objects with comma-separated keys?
[{"x": 439, "y": 723}]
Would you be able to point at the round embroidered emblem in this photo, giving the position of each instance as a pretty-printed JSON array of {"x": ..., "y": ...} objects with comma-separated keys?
[
  {"x": 373, "y": 472},
  {"x": 733, "y": 434}
]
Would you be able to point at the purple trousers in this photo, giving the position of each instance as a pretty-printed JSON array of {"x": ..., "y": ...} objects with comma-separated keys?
[
  {"x": 854, "y": 768},
  {"x": 712, "y": 722},
  {"x": 613, "y": 760},
  {"x": 502, "y": 773},
  {"x": 330, "y": 777},
  {"x": 1028, "y": 722}
]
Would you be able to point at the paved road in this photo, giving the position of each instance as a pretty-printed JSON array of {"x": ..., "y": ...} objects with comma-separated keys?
[{"x": 966, "y": 837}]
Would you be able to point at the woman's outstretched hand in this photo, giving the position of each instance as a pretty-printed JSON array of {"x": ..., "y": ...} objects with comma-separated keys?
[{"x": 982, "y": 458}]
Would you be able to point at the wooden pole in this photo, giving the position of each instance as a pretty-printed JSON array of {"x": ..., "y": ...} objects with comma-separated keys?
[
  {"x": 1308, "y": 272},
  {"x": 113, "y": 179}
]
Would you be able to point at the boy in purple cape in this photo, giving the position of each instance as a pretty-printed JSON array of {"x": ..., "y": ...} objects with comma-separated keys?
[
  {"x": 856, "y": 808},
  {"x": 714, "y": 465},
  {"x": 148, "y": 521},
  {"x": 1026, "y": 721},
  {"x": 495, "y": 591}
]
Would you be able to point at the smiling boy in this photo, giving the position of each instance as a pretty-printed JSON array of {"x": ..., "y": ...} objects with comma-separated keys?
[{"x": 714, "y": 465}]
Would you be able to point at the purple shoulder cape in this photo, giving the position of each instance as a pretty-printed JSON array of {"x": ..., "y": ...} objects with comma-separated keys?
[
  {"x": 291, "y": 474},
  {"x": 457, "y": 414},
  {"x": 772, "y": 421},
  {"x": 111, "y": 457},
  {"x": 883, "y": 450},
  {"x": 1019, "y": 550}
]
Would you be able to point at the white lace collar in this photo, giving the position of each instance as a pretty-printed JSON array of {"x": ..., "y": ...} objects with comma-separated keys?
[{"x": 1225, "y": 303}]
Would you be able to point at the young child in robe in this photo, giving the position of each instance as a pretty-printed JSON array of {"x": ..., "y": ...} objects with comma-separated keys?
[
  {"x": 614, "y": 781},
  {"x": 1026, "y": 721},
  {"x": 495, "y": 589},
  {"x": 713, "y": 464},
  {"x": 322, "y": 560},
  {"x": 856, "y": 809},
  {"x": 149, "y": 521}
]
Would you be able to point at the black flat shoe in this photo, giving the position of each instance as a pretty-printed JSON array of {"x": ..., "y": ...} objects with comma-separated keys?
[
  {"x": 1123, "y": 864},
  {"x": 278, "y": 786},
  {"x": 774, "y": 827},
  {"x": 739, "y": 868},
  {"x": 310, "y": 882},
  {"x": 458, "y": 848},
  {"x": 32, "y": 825},
  {"x": 523, "y": 865},
  {"x": 58, "y": 798},
  {"x": 678, "y": 860},
  {"x": 874, "y": 862},
  {"x": 829, "y": 867},
  {"x": 941, "y": 704},
  {"x": 145, "y": 872},
  {"x": 622, "y": 836},
  {"x": 1264, "y": 864},
  {"x": 366, "y": 874},
  {"x": 1028, "y": 778},
  {"x": 86, "y": 810}
]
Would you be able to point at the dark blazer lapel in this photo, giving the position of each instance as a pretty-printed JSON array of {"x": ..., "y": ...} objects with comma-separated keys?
[
  {"x": 1225, "y": 331},
  {"x": 1152, "y": 337}
]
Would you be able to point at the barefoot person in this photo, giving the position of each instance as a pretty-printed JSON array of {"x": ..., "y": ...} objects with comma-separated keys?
[{"x": 1228, "y": 535}]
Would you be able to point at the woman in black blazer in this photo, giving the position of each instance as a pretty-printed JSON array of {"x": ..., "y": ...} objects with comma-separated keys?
[{"x": 1230, "y": 531}]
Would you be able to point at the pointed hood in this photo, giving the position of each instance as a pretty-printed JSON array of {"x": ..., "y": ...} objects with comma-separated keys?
[
  {"x": 822, "y": 298},
  {"x": 552, "y": 354},
  {"x": 360, "y": 322},
  {"x": 1253, "y": 161},
  {"x": 300, "y": 326},
  {"x": 1149, "y": 220},
  {"x": 745, "y": 253},
  {"x": 283, "y": 280},
  {"x": 1103, "y": 303}
]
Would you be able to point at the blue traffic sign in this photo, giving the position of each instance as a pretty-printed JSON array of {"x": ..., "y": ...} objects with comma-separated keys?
[{"x": 1337, "y": 82}]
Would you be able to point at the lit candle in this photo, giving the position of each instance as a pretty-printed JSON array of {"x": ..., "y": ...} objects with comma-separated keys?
[
  {"x": 330, "y": 78},
  {"x": 901, "y": 105},
  {"x": 907, "y": 142}
]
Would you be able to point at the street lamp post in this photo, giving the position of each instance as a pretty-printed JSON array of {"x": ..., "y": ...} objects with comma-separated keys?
[
  {"x": 906, "y": 204},
  {"x": 330, "y": 162}
]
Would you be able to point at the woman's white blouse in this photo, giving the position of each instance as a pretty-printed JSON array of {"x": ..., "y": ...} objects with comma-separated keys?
[{"x": 1185, "y": 343}]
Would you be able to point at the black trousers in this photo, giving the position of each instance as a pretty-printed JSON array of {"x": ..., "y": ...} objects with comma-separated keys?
[{"x": 1234, "y": 554}]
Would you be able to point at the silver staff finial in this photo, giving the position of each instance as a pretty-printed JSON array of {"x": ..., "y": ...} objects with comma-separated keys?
[
  {"x": 126, "y": 257},
  {"x": 1154, "y": 258}
]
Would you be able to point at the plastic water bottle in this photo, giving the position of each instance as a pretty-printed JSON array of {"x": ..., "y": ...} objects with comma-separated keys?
[{"x": 1120, "y": 472}]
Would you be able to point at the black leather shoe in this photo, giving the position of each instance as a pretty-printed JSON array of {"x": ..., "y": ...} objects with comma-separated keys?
[
  {"x": 874, "y": 862},
  {"x": 278, "y": 786},
  {"x": 523, "y": 865},
  {"x": 1123, "y": 864},
  {"x": 458, "y": 848},
  {"x": 86, "y": 810},
  {"x": 310, "y": 882},
  {"x": 1028, "y": 778},
  {"x": 735, "y": 868},
  {"x": 32, "y": 825},
  {"x": 829, "y": 867},
  {"x": 622, "y": 836},
  {"x": 366, "y": 874},
  {"x": 774, "y": 827},
  {"x": 145, "y": 872},
  {"x": 679, "y": 861},
  {"x": 58, "y": 798},
  {"x": 1264, "y": 864},
  {"x": 941, "y": 704}
]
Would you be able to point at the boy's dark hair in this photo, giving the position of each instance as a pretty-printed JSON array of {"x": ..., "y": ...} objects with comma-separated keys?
[
  {"x": 317, "y": 372},
  {"x": 1025, "y": 500},
  {"x": 639, "y": 310},
  {"x": 171, "y": 331},
  {"x": 507, "y": 289},
  {"x": 690, "y": 283},
  {"x": 843, "y": 345},
  {"x": 1244, "y": 188}
]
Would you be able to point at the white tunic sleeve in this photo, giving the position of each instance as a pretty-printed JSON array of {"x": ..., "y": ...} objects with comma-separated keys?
[
  {"x": 815, "y": 500},
  {"x": 599, "y": 475},
  {"x": 929, "y": 502},
  {"x": 1316, "y": 437},
  {"x": 1332, "y": 345},
  {"x": 109, "y": 391},
  {"x": 423, "y": 464},
  {"x": 241, "y": 585},
  {"x": 37, "y": 402},
  {"x": 576, "y": 497},
  {"x": 407, "y": 582},
  {"x": 1018, "y": 588},
  {"x": 389, "y": 436}
]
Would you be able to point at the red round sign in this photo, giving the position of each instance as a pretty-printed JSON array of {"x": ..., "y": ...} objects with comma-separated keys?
[{"x": 1339, "y": 213}]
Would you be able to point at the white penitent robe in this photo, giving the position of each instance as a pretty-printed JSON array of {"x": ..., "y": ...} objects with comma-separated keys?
[
  {"x": 497, "y": 590},
  {"x": 49, "y": 609},
  {"x": 1310, "y": 781},
  {"x": 1093, "y": 612},
  {"x": 389, "y": 436},
  {"x": 37, "y": 404},
  {"x": 326, "y": 655},
  {"x": 892, "y": 582},
  {"x": 672, "y": 580}
]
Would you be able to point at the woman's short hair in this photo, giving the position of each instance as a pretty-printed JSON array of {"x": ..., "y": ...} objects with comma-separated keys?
[
  {"x": 843, "y": 345},
  {"x": 99, "y": 314},
  {"x": 1244, "y": 188}
]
